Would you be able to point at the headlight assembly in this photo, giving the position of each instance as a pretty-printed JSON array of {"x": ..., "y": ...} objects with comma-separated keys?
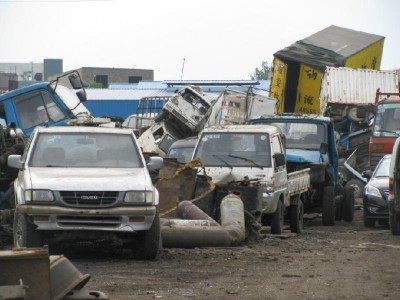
[
  {"x": 135, "y": 197},
  {"x": 39, "y": 195},
  {"x": 372, "y": 191}
]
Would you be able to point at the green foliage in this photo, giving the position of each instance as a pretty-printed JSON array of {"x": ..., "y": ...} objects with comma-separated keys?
[
  {"x": 95, "y": 85},
  {"x": 263, "y": 73}
]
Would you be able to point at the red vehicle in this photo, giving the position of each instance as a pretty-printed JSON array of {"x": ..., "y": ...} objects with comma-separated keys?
[{"x": 386, "y": 128}]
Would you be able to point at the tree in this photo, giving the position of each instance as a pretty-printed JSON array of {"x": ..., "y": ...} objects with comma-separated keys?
[{"x": 263, "y": 73}]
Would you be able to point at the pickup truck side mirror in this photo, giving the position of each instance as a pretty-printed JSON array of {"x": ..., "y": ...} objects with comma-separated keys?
[
  {"x": 155, "y": 163},
  {"x": 81, "y": 95},
  {"x": 280, "y": 159},
  {"x": 14, "y": 161},
  {"x": 323, "y": 148},
  {"x": 75, "y": 81}
]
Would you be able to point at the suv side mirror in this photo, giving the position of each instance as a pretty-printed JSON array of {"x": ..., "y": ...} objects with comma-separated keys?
[
  {"x": 155, "y": 163},
  {"x": 280, "y": 159},
  {"x": 14, "y": 161}
]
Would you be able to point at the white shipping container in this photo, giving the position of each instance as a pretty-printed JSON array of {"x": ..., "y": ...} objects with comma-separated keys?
[{"x": 355, "y": 86}]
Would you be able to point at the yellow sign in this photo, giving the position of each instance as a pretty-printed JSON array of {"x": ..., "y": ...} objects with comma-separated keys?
[
  {"x": 308, "y": 89},
  {"x": 278, "y": 83}
]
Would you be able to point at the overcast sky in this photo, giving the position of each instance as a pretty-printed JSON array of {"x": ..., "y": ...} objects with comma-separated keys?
[{"x": 217, "y": 39}]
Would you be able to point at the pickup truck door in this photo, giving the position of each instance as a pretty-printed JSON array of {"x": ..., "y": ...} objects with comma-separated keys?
[{"x": 280, "y": 172}]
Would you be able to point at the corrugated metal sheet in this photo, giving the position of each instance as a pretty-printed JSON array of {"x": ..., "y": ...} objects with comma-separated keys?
[{"x": 355, "y": 86}]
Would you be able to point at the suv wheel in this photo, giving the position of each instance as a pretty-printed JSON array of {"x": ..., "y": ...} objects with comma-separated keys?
[
  {"x": 24, "y": 232},
  {"x": 148, "y": 242}
]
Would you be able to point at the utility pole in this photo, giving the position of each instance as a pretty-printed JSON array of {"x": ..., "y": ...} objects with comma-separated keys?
[{"x": 183, "y": 67}]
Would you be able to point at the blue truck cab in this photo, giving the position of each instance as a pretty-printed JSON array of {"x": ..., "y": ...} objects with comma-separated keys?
[
  {"x": 311, "y": 143},
  {"x": 43, "y": 103}
]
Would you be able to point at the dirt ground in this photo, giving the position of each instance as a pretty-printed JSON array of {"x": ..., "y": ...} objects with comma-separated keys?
[{"x": 346, "y": 261}]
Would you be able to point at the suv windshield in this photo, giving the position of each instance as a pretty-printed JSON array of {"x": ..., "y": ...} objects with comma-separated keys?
[
  {"x": 98, "y": 150},
  {"x": 234, "y": 149}
]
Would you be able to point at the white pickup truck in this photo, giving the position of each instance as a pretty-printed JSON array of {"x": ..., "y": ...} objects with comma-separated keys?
[
  {"x": 249, "y": 160},
  {"x": 89, "y": 184}
]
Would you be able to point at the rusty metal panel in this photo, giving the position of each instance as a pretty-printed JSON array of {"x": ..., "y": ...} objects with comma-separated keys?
[{"x": 32, "y": 266}]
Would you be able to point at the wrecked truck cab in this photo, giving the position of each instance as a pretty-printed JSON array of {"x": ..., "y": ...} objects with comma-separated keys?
[{"x": 190, "y": 108}]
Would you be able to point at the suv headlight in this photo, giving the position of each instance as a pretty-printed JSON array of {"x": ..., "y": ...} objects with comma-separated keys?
[
  {"x": 39, "y": 195},
  {"x": 135, "y": 197},
  {"x": 372, "y": 191}
]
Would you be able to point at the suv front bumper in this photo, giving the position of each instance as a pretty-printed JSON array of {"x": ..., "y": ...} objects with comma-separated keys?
[{"x": 116, "y": 219}]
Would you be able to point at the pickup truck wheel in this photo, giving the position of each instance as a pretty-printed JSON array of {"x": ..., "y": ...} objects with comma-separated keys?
[
  {"x": 277, "y": 219},
  {"x": 348, "y": 204},
  {"x": 339, "y": 190},
  {"x": 24, "y": 232},
  {"x": 296, "y": 217},
  {"x": 394, "y": 220},
  {"x": 148, "y": 242},
  {"x": 328, "y": 206}
]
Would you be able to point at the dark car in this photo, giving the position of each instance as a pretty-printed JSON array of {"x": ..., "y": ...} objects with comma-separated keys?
[
  {"x": 376, "y": 194},
  {"x": 182, "y": 150}
]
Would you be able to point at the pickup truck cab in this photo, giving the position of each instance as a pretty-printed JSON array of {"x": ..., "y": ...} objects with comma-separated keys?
[
  {"x": 249, "y": 161},
  {"x": 85, "y": 183}
]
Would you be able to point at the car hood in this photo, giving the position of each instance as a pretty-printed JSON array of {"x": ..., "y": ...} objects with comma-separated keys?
[
  {"x": 304, "y": 156},
  {"x": 89, "y": 179},
  {"x": 224, "y": 175},
  {"x": 381, "y": 183}
]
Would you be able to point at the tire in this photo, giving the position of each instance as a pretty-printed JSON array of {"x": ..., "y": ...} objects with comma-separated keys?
[
  {"x": 368, "y": 222},
  {"x": 343, "y": 175},
  {"x": 24, "y": 232},
  {"x": 358, "y": 187},
  {"x": 348, "y": 204},
  {"x": 328, "y": 206},
  {"x": 148, "y": 243},
  {"x": 339, "y": 190},
  {"x": 296, "y": 217},
  {"x": 394, "y": 220},
  {"x": 277, "y": 219}
]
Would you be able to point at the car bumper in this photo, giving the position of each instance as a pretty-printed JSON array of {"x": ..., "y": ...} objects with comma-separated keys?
[
  {"x": 118, "y": 219},
  {"x": 375, "y": 207}
]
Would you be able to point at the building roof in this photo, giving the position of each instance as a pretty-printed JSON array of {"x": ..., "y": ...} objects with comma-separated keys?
[
  {"x": 125, "y": 94},
  {"x": 331, "y": 46}
]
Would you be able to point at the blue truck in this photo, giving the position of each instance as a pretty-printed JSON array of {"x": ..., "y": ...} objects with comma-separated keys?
[{"x": 311, "y": 143}]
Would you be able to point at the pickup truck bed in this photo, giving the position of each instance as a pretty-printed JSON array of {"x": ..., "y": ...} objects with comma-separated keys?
[{"x": 299, "y": 182}]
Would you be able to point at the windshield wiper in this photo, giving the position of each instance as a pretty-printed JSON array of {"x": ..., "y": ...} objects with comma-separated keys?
[
  {"x": 226, "y": 163},
  {"x": 247, "y": 159}
]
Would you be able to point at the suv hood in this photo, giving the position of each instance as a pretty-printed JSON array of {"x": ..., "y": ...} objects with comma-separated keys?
[{"x": 89, "y": 179}]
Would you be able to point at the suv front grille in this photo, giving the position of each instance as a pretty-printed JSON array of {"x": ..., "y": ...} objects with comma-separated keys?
[{"x": 89, "y": 199}]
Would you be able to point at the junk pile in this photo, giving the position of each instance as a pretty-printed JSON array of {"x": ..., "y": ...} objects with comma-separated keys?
[
  {"x": 30, "y": 274},
  {"x": 186, "y": 204}
]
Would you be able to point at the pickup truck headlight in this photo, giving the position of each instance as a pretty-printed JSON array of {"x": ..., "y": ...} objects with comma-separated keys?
[
  {"x": 39, "y": 195},
  {"x": 135, "y": 197}
]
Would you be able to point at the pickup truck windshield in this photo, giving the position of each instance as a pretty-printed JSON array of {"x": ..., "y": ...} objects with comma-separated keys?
[
  {"x": 302, "y": 135},
  {"x": 234, "y": 149},
  {"x": 94, "y": 150}
]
